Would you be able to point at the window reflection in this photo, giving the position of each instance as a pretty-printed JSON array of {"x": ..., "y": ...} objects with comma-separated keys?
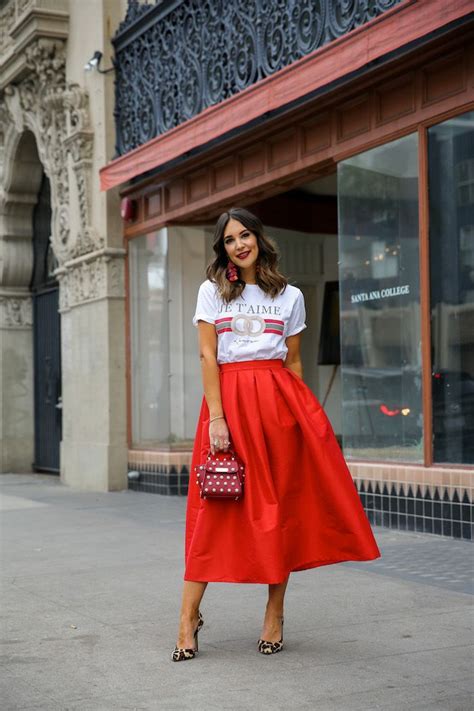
[
  {"x": 451, "y": 182},
  {"x": 166, "y": 269},
  {"x": 380, "y": 315},
  {"x": 149, "y": 324}
]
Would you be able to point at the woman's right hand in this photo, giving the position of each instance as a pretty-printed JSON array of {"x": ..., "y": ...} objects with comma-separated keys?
[{"x": 219, "y": 435}]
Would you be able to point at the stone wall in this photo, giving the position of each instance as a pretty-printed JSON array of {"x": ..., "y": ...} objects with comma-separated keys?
[{"x": 57, "y": 118}]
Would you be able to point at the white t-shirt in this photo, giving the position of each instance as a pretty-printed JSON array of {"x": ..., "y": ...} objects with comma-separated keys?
[{"x": 253, "y": 326}]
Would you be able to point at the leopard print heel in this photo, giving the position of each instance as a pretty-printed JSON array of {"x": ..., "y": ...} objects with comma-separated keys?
[
  {"x": 265, "y": 647},
  {"x": 181, "y": 654}
]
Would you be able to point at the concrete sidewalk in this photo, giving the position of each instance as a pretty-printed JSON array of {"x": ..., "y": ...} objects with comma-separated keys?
[{"x": 90, "y": 598}]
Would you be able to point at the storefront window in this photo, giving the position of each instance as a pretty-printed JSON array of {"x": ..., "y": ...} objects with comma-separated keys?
[
  {"x": 380, "y": 309},
  {"x": 149, "y": 325},
  {"x": 166, "y": 269},
  {"x": 451, "y": 200}
]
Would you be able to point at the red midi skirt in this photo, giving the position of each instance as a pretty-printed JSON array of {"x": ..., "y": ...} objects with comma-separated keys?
[{"x": 300, "y": 507}]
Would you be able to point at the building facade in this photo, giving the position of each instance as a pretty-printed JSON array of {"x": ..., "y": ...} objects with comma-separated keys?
[
  {"x": 62, "y": 322},
  {"x": 349, "y": 129}
]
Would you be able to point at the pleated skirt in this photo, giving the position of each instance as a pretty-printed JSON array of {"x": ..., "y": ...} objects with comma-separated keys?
[{"x": 300, "y": 507}]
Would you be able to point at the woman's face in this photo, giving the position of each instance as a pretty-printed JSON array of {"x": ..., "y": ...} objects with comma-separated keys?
[{"x": 240, "y": 244}]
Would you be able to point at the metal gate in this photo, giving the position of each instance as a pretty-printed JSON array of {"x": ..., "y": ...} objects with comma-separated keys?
[
  {"x": 46, "y": 340},
  {"x": 47, "y": 374}
]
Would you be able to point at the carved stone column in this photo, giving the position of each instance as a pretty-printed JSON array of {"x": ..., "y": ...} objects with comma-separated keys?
[
  {"x": 93, "y": 448},
  {"x": 37, "y": 101},
  {"x": 16, "y": 380}
]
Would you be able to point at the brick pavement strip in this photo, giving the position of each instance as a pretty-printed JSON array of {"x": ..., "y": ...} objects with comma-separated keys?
[{"x": 90, "y": 597}]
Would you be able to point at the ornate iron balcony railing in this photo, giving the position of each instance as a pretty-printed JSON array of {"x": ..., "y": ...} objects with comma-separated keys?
[{"x": 177, "y": 57}]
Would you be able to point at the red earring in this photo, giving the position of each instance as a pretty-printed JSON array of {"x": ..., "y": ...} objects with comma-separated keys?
[{"x": 231, "y": 271}]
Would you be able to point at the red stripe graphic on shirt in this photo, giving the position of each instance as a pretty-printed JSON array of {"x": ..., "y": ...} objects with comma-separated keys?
[
  {"x": 223, "y": 325},
  {"x": 272, "y": 325}
]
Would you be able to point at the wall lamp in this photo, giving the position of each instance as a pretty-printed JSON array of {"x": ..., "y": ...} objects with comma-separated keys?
[{"x": 94, "y": 62}]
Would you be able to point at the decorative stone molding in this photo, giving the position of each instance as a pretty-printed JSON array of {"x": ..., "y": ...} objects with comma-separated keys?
[
  {"x": 92, "y": 277},
  {"x": 3, "y": 128},
  {"x": 79, "y": 145},
  {"x": 22, "y": 21},
  {"x": 8, "y": 16},
  {"x": 20, "y": 183},
  {"x": 15, "y": 310},
  {"x": 58, "y": 115}
]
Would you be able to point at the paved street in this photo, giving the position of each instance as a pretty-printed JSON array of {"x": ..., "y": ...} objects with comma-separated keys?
[{"x": 90, "y": 598}]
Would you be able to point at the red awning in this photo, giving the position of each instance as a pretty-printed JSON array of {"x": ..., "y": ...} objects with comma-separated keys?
[{"x": 405, "y": 23}]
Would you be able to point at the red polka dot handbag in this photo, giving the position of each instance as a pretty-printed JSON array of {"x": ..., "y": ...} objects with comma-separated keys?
[{"x": 221, "y": 476}]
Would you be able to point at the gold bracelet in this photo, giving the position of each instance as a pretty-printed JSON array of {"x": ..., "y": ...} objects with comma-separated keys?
[{"x": 219, "y": 417}]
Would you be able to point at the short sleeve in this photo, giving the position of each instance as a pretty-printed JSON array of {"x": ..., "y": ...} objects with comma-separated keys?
[
  {"x": 296, "y": 322},
  {"x": 206, "y": 306}
]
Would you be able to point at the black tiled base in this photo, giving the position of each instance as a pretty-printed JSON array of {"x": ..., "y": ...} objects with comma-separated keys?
[
  {"x": 168, "y": 481},
  {"x": 410, "y": 510}
]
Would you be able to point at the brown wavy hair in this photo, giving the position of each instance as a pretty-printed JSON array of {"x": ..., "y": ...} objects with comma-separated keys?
[{"x": 268, "y": 277}]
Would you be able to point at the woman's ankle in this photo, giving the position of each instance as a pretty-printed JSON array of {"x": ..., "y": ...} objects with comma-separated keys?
[
  {"x": 274, "y": 611},
  {"x": 189, "y": 615}
]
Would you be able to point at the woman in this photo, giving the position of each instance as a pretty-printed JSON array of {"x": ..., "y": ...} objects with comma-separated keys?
[{"x": 300, "y": 508}]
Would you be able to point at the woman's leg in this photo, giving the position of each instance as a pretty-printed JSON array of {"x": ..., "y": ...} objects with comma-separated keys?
[
  {"x": 272, "y": 627},
  {"x": 192, "y": 596}
]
